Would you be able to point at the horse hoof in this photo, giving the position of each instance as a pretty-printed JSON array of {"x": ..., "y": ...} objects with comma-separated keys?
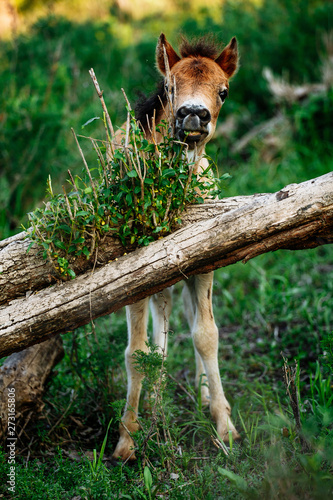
[{"x": 225, "y": 436}]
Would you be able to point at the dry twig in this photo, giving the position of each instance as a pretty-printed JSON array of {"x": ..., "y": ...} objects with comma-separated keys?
[
  {"x": 290, "y": 381},
  {"x": 100, "y": 95}
]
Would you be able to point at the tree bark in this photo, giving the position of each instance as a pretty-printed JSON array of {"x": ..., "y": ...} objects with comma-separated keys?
[
  {"x": 214, "y": 235},
  {"x": 22, "y": 273},
  {"x": 25, "y": 374}
]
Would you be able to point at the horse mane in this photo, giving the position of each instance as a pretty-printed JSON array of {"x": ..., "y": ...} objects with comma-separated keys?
[
  {"x": 146, "y": 106},
  {"x": 205, "y": 46}
]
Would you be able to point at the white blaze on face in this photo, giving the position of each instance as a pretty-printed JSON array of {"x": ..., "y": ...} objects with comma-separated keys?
[{"x": 195, "y": 102}]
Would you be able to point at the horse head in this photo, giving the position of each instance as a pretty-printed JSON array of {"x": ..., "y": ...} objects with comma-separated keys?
[{"x": 199, "y": 80}]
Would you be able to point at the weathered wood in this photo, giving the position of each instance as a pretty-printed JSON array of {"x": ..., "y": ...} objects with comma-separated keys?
[
  {"x": 25, "y": 374},
  {"x": 22, "y": 273},
  {"x": 299, "y": 216}
]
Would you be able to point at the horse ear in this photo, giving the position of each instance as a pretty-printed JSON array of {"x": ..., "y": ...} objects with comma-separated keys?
[
  {"x": 228, "y": 59},
  {"x": 173, "y": 57}
]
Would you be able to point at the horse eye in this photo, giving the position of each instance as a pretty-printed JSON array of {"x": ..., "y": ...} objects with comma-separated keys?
[{"x": 223, "y": 94}]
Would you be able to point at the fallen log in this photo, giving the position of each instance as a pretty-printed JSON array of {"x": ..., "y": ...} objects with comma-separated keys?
[
  {"x": 22, "y": 272},
  {"x": 23, "y": 378},
  {"x": 297, "y": 217}
]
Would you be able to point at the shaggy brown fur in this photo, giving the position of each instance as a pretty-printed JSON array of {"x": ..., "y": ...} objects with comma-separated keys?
[
  {"x": 197, "y": 47},
  {"x": 200, "y": 47}
]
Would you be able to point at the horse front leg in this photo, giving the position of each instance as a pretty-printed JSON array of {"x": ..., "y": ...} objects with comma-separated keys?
[
  {"x": 201, "y": 382},
  {"x": 205, "y": 339},
  {"x": 160, "y": 306},
  {"x": 137, "y": 317}
]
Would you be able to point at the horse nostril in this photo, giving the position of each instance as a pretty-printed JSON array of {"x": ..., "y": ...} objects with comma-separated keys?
[
  {"x": 200, "y": 111},
  {"x": 204, "y": 115},
  {"x": 183, "y": 112}
]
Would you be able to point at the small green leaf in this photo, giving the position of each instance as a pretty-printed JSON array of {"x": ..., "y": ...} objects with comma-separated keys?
[
  {"x": 62, "y": 262},
  {"x": 132, "y": 173},
  {"x": 119, "y": 196},
  {"x": 64, "y": 227},
  {"x": 225, "y": 176},
  {"x": 60, "y": 244},
  {"x": 129, "y": 198},
  {"x": 30, "y": 245},
  {"x": 148, "y": 478},
  {"x": 119, "y": 155},
  {"x": 86, "y": 252},
  {"x": 91, "y": 120},
  {"x": 150, "y": 148},
  {"x": 169, "y": 172},
  {"x": 71, "y": 273},
  {"x": 78, "y": 240}
]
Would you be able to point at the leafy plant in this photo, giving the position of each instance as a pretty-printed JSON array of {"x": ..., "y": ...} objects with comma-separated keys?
[
  {"x": 152, "y": 365},
  {"x": 138, "y": 196}
]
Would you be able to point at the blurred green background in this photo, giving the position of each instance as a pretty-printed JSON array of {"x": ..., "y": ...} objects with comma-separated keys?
[{"x": 47, "y": 48}]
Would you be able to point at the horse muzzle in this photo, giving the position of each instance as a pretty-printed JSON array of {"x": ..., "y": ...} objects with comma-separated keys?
[{"x": 192, "y": 124}]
